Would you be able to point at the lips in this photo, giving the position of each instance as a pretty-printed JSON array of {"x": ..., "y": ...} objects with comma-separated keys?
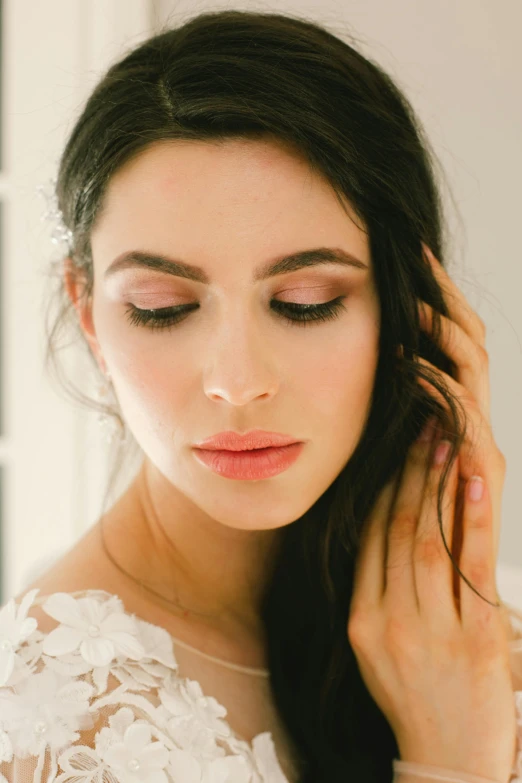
[
  {"x": 255, "y": 439},
  {"x": 250, "y": 465}
]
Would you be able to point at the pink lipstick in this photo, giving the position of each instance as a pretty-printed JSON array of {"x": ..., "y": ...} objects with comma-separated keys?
[{"x": 254, "y": 455}]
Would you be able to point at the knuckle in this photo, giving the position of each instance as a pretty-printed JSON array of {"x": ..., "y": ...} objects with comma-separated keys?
[
  {"x": 502, "y": 460},
  {"x": 428, "y": 549},
  {"x": 479, "y": 574},
  {"x": 471, "y": 402},
  {"x": 483, "y": 355},
  {"x": 481, "y": 523},
  {"x": 361, "y": 629},
  {"x": 403, "y": 522}
]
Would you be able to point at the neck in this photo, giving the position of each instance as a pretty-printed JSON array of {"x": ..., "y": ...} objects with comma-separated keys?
[{"x": 211, "y": 572}]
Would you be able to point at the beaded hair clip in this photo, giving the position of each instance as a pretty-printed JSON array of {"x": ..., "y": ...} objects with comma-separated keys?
[{"x": 53, "y": 214}]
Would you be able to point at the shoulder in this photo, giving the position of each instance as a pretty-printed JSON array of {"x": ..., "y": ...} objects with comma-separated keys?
[{"x": 89, "y": 628}]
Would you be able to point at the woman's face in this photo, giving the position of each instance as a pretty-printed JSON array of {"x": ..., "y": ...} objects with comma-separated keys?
[{"x": 234, "y": 362}]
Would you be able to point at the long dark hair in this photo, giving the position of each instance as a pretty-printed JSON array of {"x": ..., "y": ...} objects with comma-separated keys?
[{"x": 252, "y": 75}]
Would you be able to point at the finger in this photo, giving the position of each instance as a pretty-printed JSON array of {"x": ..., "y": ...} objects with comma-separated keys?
[
  {"x": 477, "y": 564},
  {"x": 469, "y": 357},
  {"x": 368, "y": 582},
  {"x": 432, "y": 565},
  {"x": 458, "y": 306},
  {"x": 478, "y": 455},
  {"x": 478, "y": 437},
  {"x": 400, "y": 578}
]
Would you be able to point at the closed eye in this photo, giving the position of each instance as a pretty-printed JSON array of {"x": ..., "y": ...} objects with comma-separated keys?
[{"x": 292, "y": 312}]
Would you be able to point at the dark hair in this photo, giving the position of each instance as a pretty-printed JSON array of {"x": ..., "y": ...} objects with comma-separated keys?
[{"x": 236, "y": 74}]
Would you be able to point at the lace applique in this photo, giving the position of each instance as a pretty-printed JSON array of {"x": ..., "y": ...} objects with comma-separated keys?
[{"x": 152, "y": 726}]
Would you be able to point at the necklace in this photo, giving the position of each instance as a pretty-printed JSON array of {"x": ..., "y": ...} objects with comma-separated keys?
[{"x": 235, "y": 666}]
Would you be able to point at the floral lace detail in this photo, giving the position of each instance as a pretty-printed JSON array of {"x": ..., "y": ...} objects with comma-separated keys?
[{"x": 155, "y": 726}]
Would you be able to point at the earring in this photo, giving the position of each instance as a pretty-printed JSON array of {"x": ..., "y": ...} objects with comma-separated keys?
[{"x": 110, "y": 425}]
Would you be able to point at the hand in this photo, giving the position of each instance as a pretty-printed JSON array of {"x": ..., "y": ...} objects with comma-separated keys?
[{"x": 438, "y": 665}]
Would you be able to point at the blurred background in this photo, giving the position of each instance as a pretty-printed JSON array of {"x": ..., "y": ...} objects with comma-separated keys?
[{"x": 458, "y": 61}]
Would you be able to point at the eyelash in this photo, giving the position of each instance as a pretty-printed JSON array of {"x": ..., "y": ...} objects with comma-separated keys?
[{"x": 295, "y": 314}]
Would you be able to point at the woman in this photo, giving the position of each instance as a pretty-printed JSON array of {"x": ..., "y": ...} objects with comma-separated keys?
[{"x": 255, "y": 242}]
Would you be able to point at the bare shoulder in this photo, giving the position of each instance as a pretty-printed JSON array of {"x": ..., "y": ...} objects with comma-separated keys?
[
  {"x": 86, "y": 565},
  {"x": 83, "y": 567}
]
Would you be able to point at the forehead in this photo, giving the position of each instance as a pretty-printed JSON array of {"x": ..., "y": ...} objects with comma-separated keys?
[
  {"x": 252, "y": 191},
  {"x": 230, "y": 160}
]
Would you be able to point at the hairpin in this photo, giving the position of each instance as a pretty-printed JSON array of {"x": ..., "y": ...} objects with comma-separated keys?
[{"x": 53, "y": 214}]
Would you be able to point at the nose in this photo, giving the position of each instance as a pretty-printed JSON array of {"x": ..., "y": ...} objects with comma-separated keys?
[{"x": 241, "y": 365}]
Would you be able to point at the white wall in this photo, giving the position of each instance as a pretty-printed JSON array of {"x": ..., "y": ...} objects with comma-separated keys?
[
  {"x": 460, "y": 64},
  {"x": 54, "y": 459}
]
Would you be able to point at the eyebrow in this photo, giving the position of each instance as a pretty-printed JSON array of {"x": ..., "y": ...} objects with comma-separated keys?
[{"x": 281, "y": 266}]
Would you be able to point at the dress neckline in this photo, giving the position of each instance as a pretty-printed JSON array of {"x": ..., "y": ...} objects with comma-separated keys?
[{"x": 228, "y": 664}]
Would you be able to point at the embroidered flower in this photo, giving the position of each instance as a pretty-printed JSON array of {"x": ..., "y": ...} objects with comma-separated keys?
[
  {"x": 266, "y": 758},
  {"x": 46, "y": 710},
  {"x": 136, "y": 759},
  {"x": 81, "y": 763},
  {"x": 193, "y": 716},
  {"x": 15, "y": 628},
  {"x": 99, "y": 632},
  {"x": 185, "y": 767},
  {"x": 157, "y": 643}
]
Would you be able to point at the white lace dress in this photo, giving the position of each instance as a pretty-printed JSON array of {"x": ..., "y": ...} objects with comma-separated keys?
[{"x": 99, "y": 698}]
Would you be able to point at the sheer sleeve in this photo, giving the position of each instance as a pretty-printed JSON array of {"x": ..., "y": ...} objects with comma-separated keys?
[{"x": 407, "y": 772}]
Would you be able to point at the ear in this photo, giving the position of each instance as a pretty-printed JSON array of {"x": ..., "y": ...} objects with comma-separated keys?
[{"x": 74, "y": 282}]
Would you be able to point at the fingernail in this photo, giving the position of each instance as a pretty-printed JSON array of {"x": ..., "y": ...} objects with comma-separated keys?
[
  {"x": 441, "y": 452},
  {"x": 476, "y": 488}
]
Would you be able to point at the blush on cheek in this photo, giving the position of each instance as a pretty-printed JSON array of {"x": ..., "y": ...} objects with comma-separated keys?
[{"x": 345, "y": 370}]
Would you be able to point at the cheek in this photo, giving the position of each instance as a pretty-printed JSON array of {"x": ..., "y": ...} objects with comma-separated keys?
[
  {"x": 149, "y": 379},
  {"x": 337, "y": 379},
  {"x": 155, "y": 388},
  {"x": 146, "y": 365}
]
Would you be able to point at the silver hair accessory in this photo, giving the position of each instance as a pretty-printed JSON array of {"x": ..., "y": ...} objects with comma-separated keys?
[
  {"x": 110, "y": 422},
  {"x": 53, "y": 214}
]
